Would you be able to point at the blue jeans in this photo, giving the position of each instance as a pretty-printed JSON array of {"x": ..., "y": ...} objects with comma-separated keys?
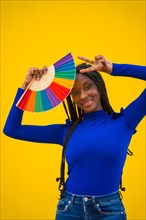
[{"x": 76, "y": 207}]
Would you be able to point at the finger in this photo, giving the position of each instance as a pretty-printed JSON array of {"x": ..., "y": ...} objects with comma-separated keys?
[
  {"x": 45, "y": 69},
  {"x": 100, "y": 66},
  {"x": 103, "y": 61},
  {"x": 41, "y": 72},
  {"x": 107, "y": 66},
  {"x": 99, "y": 57},
  {"x": 86, "y": 59},
  {"x": 36, "y": 73},
  {"x": 31, "y": 71},
  {"x": 90, "y": 69}
]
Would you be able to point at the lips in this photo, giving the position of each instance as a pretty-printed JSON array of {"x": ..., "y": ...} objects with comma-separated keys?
[{"x": 86, "y": 103}]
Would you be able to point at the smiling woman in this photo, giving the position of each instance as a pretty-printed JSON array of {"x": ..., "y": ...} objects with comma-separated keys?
[
  {"x": 93, "y": 147},
  {"x": 95, "y": 156},
  {"x": 34, "y": 33}
]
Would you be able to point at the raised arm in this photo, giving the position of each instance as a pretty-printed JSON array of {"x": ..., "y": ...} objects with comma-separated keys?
[
  {"x": 129, "y": 70},
  {"x": 102, "y": 64},
  {"x": 14, "y": 128},
  {"x": 136, "y": 110}
]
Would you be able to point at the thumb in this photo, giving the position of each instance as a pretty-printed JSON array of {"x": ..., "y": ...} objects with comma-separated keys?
[{"x": 99, "y": 57}]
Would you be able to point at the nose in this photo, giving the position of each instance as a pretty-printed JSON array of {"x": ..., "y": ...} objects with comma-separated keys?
[{"x": 83, "y": 95}]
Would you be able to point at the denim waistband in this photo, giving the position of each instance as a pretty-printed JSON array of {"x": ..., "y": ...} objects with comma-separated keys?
[{"x": 88, "y": 198}]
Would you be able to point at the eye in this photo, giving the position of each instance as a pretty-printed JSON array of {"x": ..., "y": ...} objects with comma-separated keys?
[
  {"x": 74, "y": 93},
  {"x": 88, "y": 86}
]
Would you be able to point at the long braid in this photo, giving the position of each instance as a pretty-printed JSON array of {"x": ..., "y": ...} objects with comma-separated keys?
[
  {"x": 71, "y": 108},
  {"x": 66, "y": 109},
  {"x": 61, "y": 179},
  {"x": 97, "y": 79},
  {"x": 74, "y": 114}
]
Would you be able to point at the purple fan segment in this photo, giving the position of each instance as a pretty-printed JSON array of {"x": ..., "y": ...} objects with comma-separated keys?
[
  {"x": 65, "y": 59},
  {"x": 53, "y": 99}
]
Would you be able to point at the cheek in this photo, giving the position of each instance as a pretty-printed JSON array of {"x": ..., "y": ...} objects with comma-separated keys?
[
  {"x": 75, "y": 99},
  {"x": 96, "y": 93},
  {"x": 98, "y": 98}
]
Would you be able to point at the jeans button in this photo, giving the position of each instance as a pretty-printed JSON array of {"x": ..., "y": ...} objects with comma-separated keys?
[{"x": 85, "y": 199}]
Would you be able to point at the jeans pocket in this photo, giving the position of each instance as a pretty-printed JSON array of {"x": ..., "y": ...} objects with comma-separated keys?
[
  {"x": 64, "y": 205},
  {"x": 111, "y": 207}
]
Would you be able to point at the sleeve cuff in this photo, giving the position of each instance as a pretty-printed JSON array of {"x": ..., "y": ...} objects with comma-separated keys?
[
  {"x": 18, "y": 95},
  {"x": 115, "y": 69}
]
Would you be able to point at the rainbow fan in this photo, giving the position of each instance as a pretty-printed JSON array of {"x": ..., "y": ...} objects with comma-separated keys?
[{"x": 51, "y": 89}]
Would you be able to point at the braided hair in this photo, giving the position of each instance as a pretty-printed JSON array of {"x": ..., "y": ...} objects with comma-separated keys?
[{"x": 75, "y": 114}]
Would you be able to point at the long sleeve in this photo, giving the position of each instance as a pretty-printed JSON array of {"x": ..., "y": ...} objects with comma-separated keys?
[
  {"x": 129, "y": 70},
  {"x": 44, "y": 134},
  {"x": 136, "y": 110}
]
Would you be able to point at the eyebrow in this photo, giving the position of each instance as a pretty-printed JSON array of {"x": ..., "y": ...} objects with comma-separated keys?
[{"x": 87, "y": 81}]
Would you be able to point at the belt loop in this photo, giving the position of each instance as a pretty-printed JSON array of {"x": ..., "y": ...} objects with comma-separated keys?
[
  {"x": 83, "y": 199},
  {"x": 121, "y": 196},
  {"x": 72, "y": 198},
  {"x": 93, "y": 199}
]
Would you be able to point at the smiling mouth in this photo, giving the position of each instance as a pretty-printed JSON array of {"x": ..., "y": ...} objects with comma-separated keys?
[{"x": 87, "y": 103}]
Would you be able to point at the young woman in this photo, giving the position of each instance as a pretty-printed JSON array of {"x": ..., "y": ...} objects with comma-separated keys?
[{"x": 95, "y": 140}]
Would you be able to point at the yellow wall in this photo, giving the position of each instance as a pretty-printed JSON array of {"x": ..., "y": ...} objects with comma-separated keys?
[{"x": 35, "y": 33}]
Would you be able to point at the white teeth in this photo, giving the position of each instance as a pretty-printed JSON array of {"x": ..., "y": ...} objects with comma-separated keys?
[{"x": 86, "y": 101}]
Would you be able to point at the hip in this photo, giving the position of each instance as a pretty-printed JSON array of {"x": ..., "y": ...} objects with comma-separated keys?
[{"x": 85, "y": 207}]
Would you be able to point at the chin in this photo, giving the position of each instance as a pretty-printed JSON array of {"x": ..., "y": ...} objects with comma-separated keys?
[
  {"x": 92, "y": 109},
  {"x": 89, "y": 110}
]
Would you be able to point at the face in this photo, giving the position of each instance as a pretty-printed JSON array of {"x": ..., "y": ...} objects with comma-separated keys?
[{"x": 85, "y": 94}]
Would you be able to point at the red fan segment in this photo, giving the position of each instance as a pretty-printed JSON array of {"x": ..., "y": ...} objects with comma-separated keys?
[{"x": 59, "y": 91}]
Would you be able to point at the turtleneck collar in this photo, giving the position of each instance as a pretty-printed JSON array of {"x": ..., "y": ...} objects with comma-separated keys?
[{"x": 97, "y": 114}]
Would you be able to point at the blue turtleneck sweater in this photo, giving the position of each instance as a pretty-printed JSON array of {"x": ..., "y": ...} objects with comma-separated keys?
[{"x": 97, "y": 149}]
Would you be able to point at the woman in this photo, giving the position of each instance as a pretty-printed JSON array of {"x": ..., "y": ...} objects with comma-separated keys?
[{"x": 95, "y": 140}]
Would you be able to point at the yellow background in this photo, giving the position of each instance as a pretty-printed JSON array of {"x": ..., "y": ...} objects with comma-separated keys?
[{"x": 35, "y": 33}]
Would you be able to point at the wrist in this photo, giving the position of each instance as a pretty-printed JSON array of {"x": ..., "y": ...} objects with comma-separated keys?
[
  {"x": 24, "y": 85},
  {"x": 110, "y": 69}
]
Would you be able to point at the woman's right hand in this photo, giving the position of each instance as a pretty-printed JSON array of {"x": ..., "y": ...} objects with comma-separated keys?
[
  {"x": 100, "y": 63},
  {"x": 34, "y": 73}
]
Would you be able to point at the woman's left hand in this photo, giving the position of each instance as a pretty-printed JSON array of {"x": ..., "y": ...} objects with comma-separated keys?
[{"x": 99, "y": 64}]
